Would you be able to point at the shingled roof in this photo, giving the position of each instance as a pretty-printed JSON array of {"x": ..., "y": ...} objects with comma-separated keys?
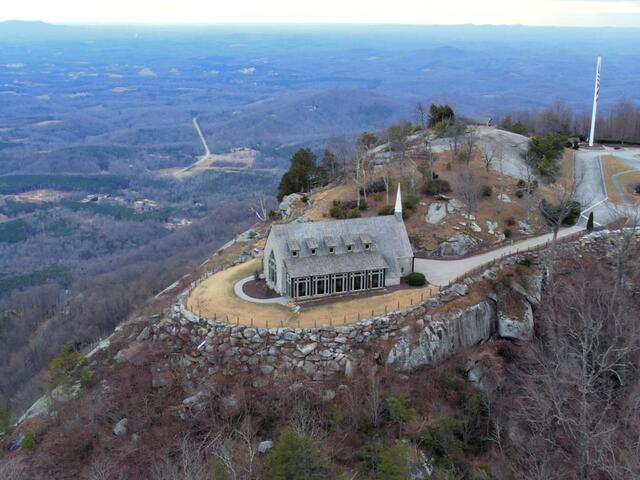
[{"x": 386, "y": 235}]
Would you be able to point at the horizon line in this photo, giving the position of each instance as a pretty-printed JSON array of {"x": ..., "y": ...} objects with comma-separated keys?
[{"x": 302, "y": 24}]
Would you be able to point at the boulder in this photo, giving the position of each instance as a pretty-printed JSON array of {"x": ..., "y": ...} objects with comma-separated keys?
[
  {"x": 143, "y": 335},
  {"x": 525, "y": 228},
  {"x": 491, "y": 227},
  {"x": 457, "y": 245},
  {"x": 265, "y": 446},
  {"x": 454, "y": 291},
  {"x": 120, "y": 428},
  {"x": 437, "y": 211},
  {"x": 475, "y": 227},
  {"x": 287, "y": 202},
  {"x": 503, "y": 197},
  {"x": 454, "y": 206}
]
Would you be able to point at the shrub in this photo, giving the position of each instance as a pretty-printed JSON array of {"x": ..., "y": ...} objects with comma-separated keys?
[
  {"x": 353, "y": 213},
  {"x": 506, "y": 353},
  {"x": 442, "y": 439},
  {"x": 519, "y": 193},
  {"x": 511, "y": 221},
  {"x": 377, "y": 186},
  {"x": 551, "y": 213},
  {"x": 305, "y": 199},
  {"x": 436, "y": 186},
  {"x": 521, "y": 183},
  {"x": 377, "y": 196},
  {"x": 448, "y": 166},
  {"x": 638, "y": 189},
  {"x": 86, "y": 377},
  {"x": 487, "y": 191},
  {"x": 29, "y": 442},
  {"x": 411, "y": 201},
  {"x": 416, "y": 279},
  {"x": 399, "y": 410},
  {"x": 527, "y": 261},
  {"x": 62, "y": 366},
  {"x": 335, "y": 211},
  {"x": 296, "y": 457},
  {"x": 507, "y": 233},
  {"x": 363, "y": 205},
  {"x": 394, "y": 463},
  {"x": 386, "y": 210},
  {"x": 256, "y": 275}
]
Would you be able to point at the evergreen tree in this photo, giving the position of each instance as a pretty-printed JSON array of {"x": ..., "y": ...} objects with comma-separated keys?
[
  {"x": 296, "y": 457},
  {"x": 394, "y": 463},
  {"x": 590, "y": 223},
  {"x": 302, "y": 174}
]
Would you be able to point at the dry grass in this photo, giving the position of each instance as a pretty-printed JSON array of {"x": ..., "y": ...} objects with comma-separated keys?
[
  {"x": 323, "y": 201},
  {"x": 215, "y": 298},
  {"x": 38, "y": 196},
  {"x": 612, "y": 166},
  {"x": 628, "y": 181},
  {"x": 428, "y": 237}
]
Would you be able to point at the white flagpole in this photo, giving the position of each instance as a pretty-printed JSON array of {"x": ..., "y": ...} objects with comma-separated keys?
[{"x": 596, "y": 95}]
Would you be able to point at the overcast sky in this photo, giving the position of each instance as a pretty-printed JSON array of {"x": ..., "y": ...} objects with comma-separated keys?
[{"x": 623, "y": 13}]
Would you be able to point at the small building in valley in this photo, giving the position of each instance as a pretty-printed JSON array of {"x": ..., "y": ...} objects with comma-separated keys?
[{"x": 314, "y": 259}]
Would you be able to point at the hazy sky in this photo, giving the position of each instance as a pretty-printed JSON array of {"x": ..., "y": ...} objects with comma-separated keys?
[{"x": 529, "y": 12}]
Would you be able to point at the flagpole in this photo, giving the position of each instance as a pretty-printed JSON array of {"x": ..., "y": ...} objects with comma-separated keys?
[{"x": 596, "y": 96}]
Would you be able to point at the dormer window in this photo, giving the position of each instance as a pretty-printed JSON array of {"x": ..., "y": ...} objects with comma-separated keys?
[
  {"x": 332, "y": 250},
  {"x": 349, "y": 248},
  {"x": 366, "y": 241},
  {"x": 294, "y": 247},
  {"x": 313, "y": 251}
]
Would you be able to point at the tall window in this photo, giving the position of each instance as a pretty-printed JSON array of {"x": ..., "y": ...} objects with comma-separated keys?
[{"x": 273, "y": 271}]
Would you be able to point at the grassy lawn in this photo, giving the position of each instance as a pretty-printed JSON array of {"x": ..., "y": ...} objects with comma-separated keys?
[
  {"x": 627, "y": 182},
  {"x": 612, "y": 166},
  {"x": 215, "y": 298}
]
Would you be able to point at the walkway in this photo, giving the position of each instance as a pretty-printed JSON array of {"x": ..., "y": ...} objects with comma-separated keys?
[
  {"x": 443, "y": 272},
  {"x": 237, "y": 288}
]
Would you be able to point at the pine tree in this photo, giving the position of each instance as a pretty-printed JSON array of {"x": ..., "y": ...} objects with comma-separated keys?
[
  {"x": 296, "y": 457},
  {"x": 590, "y": 223}
]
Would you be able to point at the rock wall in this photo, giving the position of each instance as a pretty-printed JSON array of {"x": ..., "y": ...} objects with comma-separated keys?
[{"x": 406, "y": 340}]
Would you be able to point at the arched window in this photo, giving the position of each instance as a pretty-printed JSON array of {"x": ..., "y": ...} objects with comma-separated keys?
[{"x": 273, "y": 271}]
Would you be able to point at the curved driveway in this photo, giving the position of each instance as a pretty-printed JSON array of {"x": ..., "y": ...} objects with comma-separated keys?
[{"x": 443, "y": 272}]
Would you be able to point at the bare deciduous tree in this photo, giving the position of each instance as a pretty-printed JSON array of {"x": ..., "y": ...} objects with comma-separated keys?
[{"x": 469, "y": 190}]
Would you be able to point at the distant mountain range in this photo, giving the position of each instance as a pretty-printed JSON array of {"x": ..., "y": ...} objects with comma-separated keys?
[{"x": 136, "y": 88}]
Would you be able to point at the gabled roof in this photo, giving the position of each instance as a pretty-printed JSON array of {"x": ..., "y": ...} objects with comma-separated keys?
[{"x": 386, "y": 235}]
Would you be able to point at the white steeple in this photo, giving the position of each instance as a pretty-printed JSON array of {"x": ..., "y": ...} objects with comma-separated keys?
[{"x": 398, "y": 209}]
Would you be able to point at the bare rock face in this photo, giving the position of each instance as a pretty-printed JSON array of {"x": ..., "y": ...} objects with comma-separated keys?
[
  {"x": 517, "y": 324},
  {"x": 287, "y": 202},
  {"x": 457, "y": 245},
  {"x": 437, "y": 211},
  {"x": 442, "y": 337}
]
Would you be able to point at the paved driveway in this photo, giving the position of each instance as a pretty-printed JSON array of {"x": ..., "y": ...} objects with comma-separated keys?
[
  {"x": 443, "y": 272},
  {"x": 590, "y": 189}
]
